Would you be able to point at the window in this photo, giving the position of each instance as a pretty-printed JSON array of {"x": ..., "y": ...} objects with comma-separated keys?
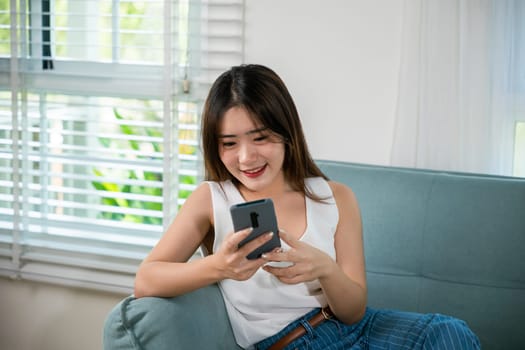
[
  {"x": 519, "y": 150},
  {"x": 99, "y": 128},
  {"x": 516, "y": 85}
]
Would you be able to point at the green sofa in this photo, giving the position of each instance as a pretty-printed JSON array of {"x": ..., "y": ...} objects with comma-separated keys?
[{"x": 441, "y": 242}]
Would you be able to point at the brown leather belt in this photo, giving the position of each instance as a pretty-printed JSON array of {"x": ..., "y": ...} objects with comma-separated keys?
[{"x": 323, "y": 315}]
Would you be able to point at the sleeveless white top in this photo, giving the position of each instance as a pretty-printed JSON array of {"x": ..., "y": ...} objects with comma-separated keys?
[{"x": 262, "y": 305}]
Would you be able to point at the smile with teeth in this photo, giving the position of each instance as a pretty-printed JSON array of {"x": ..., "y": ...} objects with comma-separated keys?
[{"x": 255, "y": 171}]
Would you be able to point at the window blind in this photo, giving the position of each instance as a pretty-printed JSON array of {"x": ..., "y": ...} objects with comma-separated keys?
[{"x": 100, "y": 105}]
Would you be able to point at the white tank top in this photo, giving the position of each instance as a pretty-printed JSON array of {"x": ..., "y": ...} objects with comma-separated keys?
[{"x": 262, "y": 305}]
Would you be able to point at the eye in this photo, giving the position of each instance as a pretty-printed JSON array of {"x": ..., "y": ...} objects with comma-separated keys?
[
  {"x": 228, "y": 144},
  {"x": 261, "y": 138}
]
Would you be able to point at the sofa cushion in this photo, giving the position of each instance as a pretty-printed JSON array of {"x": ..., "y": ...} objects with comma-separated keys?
[{"x": 170, "y": 323}]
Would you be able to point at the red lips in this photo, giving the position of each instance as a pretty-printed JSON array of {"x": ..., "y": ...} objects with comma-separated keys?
[{"x": 255, "y": 172}]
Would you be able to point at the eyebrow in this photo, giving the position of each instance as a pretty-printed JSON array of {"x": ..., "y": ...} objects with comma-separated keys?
[{"x": 251, "y": 132}]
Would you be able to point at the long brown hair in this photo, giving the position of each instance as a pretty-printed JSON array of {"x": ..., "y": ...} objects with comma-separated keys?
[{"x": 263, "y": 94}]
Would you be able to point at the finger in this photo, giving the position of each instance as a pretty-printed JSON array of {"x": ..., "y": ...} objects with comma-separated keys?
[
  {"x": 288, "y": 275},
  {"x": 291, "y": 280},
  {"x": 285, "y": 236},
  {"x": 274, "y": 255},
  {"x": 231, "y": 241},
  {"x": 284, "y": 274},
  {"x": 238, "y": 236},
  {"x": 289, "y": 255},
  {"x": 285, "y": 271},
  {"x": 256, "y": 243},
  {"x": 280, "y": 264}
]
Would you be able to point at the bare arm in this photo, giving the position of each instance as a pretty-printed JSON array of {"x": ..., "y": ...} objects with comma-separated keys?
[
  {"x": 343, "y": 281},
  {"x": 344, "y": 284},
  {"x": 166, "y": 272}
]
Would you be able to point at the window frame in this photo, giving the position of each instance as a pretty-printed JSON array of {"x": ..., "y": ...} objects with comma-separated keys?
[{"x": 23, "y": 254}]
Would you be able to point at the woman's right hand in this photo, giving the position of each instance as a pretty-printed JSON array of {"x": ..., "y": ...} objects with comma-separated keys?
[{"x": 231, "y": 260}]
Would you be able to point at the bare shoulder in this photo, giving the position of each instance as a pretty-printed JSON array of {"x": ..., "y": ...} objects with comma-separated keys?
[
  {"x": 187, "y": 230},
  {"x": 199, "y": 203},
  {"x": 345, "y": 199},
  {"x": 342, "y": 193},
  {"x": 202, "y": 192}
]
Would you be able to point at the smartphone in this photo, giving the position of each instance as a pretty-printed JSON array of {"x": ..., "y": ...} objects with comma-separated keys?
[{"x": 260, "y": 215}]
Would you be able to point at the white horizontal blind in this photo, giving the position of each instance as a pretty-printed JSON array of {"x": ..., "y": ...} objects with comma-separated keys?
[{"x": 99, "y": 128}]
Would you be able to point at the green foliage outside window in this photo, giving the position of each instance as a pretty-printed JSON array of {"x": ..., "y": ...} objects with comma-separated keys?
[
  {"x": 5, "y": 31},
  {"x": 112, "y": 187},
  {"x": 155, "y": 148},
  {"x": 139, "y": 27}
]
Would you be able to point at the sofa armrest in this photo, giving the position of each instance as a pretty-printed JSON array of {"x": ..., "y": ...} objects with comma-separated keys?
[{"x": 197, "y": 320}]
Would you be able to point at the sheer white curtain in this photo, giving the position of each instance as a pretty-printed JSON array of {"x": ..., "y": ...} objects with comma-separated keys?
[{"x": 461, "y": 85}]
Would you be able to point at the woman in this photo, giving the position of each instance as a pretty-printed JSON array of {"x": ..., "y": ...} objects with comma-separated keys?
[{"x": 254, "y": 148}]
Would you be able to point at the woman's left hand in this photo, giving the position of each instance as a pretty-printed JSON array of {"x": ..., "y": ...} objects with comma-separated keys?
[{"x": 308, "y": 262}]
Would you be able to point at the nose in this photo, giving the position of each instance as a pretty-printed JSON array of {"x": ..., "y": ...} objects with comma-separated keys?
[{"x": 247, "y": 153}]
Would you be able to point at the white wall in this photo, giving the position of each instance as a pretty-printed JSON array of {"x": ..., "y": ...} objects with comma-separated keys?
[{"x": 340, "y": 61}]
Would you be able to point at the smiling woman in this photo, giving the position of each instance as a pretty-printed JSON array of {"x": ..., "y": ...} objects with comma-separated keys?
[
  {"x": 251, "y": 153},
  {"x": 310, "y": 292}
]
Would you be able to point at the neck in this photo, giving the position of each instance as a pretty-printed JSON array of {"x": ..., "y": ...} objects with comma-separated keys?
[{"x": 276, "y": 190}]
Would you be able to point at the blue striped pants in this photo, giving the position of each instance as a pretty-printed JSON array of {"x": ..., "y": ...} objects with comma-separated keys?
[{"x": 381, "y": 329}]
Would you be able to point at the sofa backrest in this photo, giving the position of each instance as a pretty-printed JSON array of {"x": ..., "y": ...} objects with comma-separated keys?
[{"x": 444, "y": 242}]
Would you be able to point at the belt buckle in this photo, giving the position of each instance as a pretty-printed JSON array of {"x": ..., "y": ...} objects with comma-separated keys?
[{"x": 326, "y": 315}]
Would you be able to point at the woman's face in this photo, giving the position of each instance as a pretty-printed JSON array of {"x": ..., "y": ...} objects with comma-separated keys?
[{"x": 253, "y": 154}]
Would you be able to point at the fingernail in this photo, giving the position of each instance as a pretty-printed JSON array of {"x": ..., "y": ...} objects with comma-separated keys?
[{"x": 270, "y": 234}]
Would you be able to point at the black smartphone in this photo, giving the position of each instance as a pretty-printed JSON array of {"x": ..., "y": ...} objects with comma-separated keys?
[{"x": 260, "y": 215}]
